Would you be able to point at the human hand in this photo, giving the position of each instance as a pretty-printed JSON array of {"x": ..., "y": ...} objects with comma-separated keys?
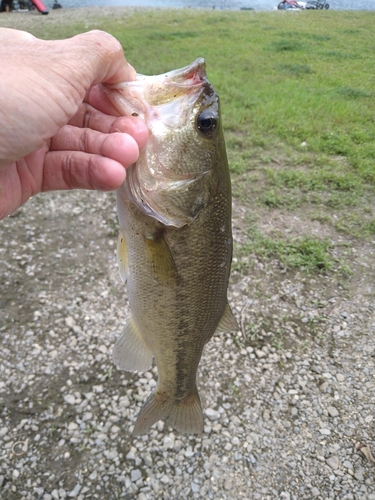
[{"x": 59, "y": 130}]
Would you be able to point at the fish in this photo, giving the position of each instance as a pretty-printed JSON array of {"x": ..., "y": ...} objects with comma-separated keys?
[{"x": 175, "y": 244}]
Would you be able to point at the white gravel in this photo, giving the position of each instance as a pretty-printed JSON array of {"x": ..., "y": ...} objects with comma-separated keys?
[{"x": 286, "y": 401}]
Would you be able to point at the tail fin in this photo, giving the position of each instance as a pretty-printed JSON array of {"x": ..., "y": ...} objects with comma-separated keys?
[{"x": 186, "y": 415}]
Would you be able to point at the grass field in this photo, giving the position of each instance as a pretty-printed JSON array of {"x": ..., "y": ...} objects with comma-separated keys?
[{"x": 298, "y": 106}]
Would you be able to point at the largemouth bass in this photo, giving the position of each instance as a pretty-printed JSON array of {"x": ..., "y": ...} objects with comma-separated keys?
[{"x": 175, "y": 242}]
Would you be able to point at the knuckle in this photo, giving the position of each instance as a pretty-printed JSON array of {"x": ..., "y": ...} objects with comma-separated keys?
[{"x": 83, "y": 140}]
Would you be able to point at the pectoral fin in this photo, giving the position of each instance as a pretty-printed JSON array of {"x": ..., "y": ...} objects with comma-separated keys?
[
  {"x": 131, "y": 352},
  {"x": 228, "y": 322},
  {"x": 122, "y": 256},
  {"x": 161, "y": 259}
]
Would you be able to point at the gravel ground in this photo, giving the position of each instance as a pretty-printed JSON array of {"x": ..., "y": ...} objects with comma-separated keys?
[{"x": 285, "y": 401}]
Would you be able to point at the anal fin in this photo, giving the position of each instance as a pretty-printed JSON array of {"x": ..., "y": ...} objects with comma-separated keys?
[{"x": 130, "y": 352}]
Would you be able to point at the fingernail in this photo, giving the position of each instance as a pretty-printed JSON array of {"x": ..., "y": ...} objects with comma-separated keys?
[{"x": 132, "y": 73}]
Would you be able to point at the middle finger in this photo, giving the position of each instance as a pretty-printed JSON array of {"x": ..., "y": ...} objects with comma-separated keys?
[{"x": 89, "y": 117}]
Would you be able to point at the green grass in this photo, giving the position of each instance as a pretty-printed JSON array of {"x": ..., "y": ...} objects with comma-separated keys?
[{"x": 298, "y": 106}]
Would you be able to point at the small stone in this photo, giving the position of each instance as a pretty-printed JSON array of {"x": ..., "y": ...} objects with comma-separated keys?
[
  {"x": 189, "y": 452},
  {"x": 55, "y": 494},
  {"x": 316, "y": 369},
  {"x": 93, "y": 475},
  {"x": 333, "y": 462},
  {"x": 195, "y": 487},
  {"x": 325, "y": 432},
  {"x": 212, "y": 414},
  {"x": 332, "y": 411},
  {"x": 75, "y": 491},
  {"x": 359, "y": 475},
  {"x": 324, "y": 386},
  {"x": 15, "y": 474},
  {"x": 135, "y": 475},
  {"x": 164, "y": 479},
  {"x": 228, "y": 484},
  {"x": 259, "y": 354},
  {"x": 3, "y": 431},
  {"x": 72, "y": 426},
  {"x": 315, "y": 492},
  {"x": 235, "y": 441},
  {"x": 168, "y": 443},
  {"x": 111, "y": 454},
  {"x": 147, "y": 458},
  {"x": 285, "y": 495},
  {"x": 70, "y": 399},
  {"x": 69, "y": 321},
  {"x": 131, "y": 454}
]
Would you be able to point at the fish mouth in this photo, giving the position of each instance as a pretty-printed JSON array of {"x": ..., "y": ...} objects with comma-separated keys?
[
  {"x": 194, "y": 73},
  {"x": 170, "y": 86},
  {"x": 138, "y": 97}
]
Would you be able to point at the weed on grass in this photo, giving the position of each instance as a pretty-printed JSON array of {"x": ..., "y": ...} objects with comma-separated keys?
[
  {"x": 296, "y": 69},
  {"x": 306, "y": 253},
  {"x": 351, "y": 93}
]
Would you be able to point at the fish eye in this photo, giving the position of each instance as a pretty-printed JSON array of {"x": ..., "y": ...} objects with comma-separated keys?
[{"x": 207, "y": 122}]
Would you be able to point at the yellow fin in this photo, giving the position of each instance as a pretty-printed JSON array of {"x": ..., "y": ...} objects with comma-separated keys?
[
  {"x": 228, "y": 322},
  {"x": 185, "y": 416},
  {"x": 122, "y": 256},
  {"x": 161, "y": 259},
  {"x": 131, "y": 352}
]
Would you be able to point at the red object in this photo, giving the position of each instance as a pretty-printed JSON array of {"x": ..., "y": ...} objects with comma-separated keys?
[{"x": 40, "y": 6}]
